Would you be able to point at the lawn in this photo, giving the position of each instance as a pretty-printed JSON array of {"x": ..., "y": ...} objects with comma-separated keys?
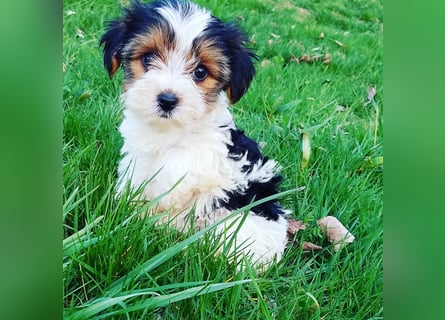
[{"x": 319, "y": 73}]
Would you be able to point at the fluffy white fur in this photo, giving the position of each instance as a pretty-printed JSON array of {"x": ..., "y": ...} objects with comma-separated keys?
[
  {"x": 191, "y": 144},
  {"x": 198, "y": 156},
  {"x": 260, "y": 239}
]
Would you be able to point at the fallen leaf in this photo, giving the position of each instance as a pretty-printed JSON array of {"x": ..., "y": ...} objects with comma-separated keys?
[
  {"x": 80, "y": 33},
  {"x": 306, "y": 150},
  {"x": 340, "y": 44},
  {"x": 265, "y": 63},
  {"x": 293, "y": 59},
  {"x": 309, "y": 246},
  {"x": 293, "y": 227},
  {"x": 326, "y": 58},
  {"x": 305, "y": 58},
  {"x": 371, "y": 93},
  {"x": 335, "y": 231}
]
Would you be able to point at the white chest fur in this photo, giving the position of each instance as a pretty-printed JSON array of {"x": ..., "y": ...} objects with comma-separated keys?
[{"x": 194, "y": 157}]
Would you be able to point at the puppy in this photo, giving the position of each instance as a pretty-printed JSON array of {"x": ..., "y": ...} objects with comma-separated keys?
[{"x": 182, "y": 69}]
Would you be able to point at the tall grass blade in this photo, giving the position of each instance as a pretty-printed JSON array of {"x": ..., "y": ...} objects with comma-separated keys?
[
  {"x": 155, "y": 302},
  {"x": 164, "y": 256}
]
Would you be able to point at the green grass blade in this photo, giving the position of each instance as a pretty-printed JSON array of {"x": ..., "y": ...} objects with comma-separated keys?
[
  {"x": 67, "y": 242},
  {"x": 70, "y": 205},
  {"x": 164, "y": 256},
  {"x": 155, "y": 302}
]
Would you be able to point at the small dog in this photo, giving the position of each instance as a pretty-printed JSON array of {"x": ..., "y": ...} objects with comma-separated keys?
[{"x": 182, "y": 69}]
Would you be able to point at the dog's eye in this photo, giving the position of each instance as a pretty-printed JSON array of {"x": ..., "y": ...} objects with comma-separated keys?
[
  {"x": 200, "y": 73},
  {"x": 147, "y": 59}
]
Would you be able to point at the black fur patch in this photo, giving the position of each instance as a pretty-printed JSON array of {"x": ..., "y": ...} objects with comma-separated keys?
[
  {"x": 232, "y": 41},
  {"x": 135, "y": 21},
  {"x": 256, "y": 190}
]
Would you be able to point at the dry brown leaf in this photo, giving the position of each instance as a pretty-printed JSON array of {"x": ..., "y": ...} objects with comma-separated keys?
[
  {"x": 309, "y": 246},
  {"x": 305, "y": 58},
  {"x": 335, "y": 231},
  {"x": 327, "y": 58},
  {"x": 294, "y": 226},
  {"x": 317, "y": 57}
]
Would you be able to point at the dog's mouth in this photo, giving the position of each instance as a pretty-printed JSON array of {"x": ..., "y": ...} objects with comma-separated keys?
[{"x": 165, "y": 114}]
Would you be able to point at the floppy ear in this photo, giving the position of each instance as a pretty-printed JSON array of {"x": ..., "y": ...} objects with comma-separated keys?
[
  {"x": 241, "y": 66},
  {"x": 113, "y": 40}
]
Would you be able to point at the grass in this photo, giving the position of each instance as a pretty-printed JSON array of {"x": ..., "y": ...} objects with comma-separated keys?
[{"x": 119, "y": 266}]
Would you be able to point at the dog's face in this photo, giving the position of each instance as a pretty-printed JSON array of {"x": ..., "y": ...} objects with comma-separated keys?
[{"x": 177, "y": 59}]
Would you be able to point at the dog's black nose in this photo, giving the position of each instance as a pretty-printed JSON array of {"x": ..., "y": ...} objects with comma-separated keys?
[{"x": 167, "y": 101}]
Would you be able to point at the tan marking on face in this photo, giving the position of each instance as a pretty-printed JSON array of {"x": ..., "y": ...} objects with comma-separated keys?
[
  {"x": 213, "y": 58},
  {"x": 114, "y": 65},
  {"x": 156, "y": 40},
  {"x": 216, "y": 63},
  {"x": 229, "y": 95}
]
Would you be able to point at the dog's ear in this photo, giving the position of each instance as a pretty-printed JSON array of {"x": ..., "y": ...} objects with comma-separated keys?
[
  {"x": 113, "y": 40},
  {"x": 241, "y": 65}
]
